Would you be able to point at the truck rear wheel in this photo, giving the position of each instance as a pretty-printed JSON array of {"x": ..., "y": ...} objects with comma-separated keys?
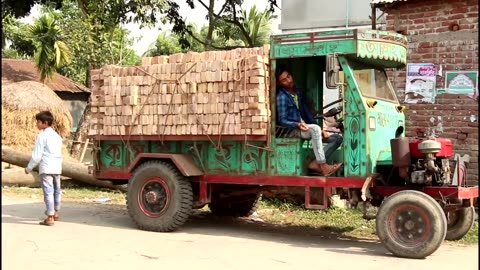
[
  {"x": 159, "y": 198},
  {"x": 411, "y": 224},
  {"x": 459, "y": 223},
  {"x": 238, "y": 207}
]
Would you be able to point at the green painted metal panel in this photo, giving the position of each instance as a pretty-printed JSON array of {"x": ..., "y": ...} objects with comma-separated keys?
[
  {"x": 112, "y": 154},
  {"x": 224, "y": 158},
  {"x": 313, "y": 49},
  {"x": 135, "y": 148},
  {"x": 367, "y": 130},
  {"x": 254, "y": 158},
  {"x": 382, "y": 51},
  {"x": 287, "y": 154},
  {"x": 163, "y": 147},
  {"x": 355, "y": 152},
  {"x": 386, "y": 119},
  {"x": 382, "y": 45}
]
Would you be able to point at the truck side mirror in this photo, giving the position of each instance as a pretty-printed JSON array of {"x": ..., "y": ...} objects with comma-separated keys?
[{"x": 332, "y": 72}]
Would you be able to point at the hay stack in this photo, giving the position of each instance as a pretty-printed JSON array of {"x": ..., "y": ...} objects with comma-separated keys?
[{"x": 21, "y": 101}]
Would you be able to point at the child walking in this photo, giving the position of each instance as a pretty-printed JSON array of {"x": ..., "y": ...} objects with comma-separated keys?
[{"x": 48, "y": 155}]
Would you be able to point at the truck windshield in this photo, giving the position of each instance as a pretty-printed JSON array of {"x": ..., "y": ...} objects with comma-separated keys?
[{"x": 374, "y": 83}]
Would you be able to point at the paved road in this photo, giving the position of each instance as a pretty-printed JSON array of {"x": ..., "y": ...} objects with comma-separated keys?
[{"x": 103, "y": 237}]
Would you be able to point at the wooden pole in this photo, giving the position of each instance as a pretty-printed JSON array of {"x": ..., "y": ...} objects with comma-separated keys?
[
  {"x": 84, "y": 149},
  {"x": 76, "y": 171}
]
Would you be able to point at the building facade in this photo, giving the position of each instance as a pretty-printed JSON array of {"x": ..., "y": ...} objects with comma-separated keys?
[{"x": 445, "y": 34}]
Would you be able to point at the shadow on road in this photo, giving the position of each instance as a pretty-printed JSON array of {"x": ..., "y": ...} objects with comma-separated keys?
[{"x": 201, "y": 223}]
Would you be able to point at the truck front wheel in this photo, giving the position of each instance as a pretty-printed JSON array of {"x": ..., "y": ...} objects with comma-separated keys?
[
  {"x": 411, "y": 224},
  {"x": 159, "y": 198}
]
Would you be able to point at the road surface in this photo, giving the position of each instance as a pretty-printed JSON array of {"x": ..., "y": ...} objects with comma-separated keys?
[{"x": 94, "y": 237}]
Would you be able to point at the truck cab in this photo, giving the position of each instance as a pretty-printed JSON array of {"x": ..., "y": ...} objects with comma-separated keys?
[{"x": 352, "y": 64}]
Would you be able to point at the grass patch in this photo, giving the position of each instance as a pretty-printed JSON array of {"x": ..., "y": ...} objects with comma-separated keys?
[
  {"x": 345, "y": 222},
  {"x": 471, "y": 238}
]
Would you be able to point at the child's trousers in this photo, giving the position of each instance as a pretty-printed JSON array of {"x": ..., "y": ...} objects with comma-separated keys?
[{"x": 52, "y": 192}]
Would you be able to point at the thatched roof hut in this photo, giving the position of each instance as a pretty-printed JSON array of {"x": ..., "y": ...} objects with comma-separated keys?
[{"x": 21, "y": 101}]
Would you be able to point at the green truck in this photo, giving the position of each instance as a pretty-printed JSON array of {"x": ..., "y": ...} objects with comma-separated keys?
[{"x": 409, "y": 179}]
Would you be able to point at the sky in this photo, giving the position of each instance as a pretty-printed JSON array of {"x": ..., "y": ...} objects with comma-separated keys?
[{"x": 146, "y": 36}]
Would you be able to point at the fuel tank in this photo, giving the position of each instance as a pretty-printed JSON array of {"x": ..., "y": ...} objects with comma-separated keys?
[{"x": 400, "y": 152}]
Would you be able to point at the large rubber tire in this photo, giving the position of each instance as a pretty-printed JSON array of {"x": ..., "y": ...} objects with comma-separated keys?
[
  {"x": 411, "y": 224},
  {"x": 459, "y": 224},
  {"x": 245, "y": 208},
  {"x": 165, "y": 208}
]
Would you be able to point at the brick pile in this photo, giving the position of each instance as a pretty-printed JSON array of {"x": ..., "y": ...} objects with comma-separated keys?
[{"x": 209, "y": 93}]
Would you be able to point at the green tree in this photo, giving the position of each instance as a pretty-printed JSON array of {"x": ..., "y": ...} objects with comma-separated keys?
[
  {"x": 18, "y": 9},
  {"x": 17, "y": 34},
  {"x": 51, "y": 52},
  {"x": 257, "y": 24},
  {"x": 13, "y": 54},
  {"x": 228, "y": 23},
  {"x": 165, "y": 44},
  {"x": 93, "y": 44}
]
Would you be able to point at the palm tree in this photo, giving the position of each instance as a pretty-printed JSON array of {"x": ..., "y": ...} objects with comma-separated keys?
[
  {"x": 258, "y": 26},
  {"x": 51, "y": 52}
]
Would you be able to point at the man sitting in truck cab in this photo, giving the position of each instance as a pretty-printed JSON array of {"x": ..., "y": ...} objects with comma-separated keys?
[{"x": 293, "y": 113}]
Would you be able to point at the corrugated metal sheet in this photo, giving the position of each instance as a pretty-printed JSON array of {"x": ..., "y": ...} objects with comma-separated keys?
[
  {"x": 385, "y": 1},
  {"x": 14, "y": 70}
]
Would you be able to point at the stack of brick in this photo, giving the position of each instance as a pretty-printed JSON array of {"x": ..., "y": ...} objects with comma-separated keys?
[{"x": 209, "y": 93}]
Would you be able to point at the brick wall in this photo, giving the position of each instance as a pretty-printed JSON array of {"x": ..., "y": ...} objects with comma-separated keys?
[{"x": 428, "y": 26}]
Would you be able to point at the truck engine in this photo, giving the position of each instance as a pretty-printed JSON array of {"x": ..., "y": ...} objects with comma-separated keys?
[{"x": 423, "y": 161}]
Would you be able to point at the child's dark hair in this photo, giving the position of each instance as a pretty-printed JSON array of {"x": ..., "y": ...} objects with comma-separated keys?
[{"x": 45, "y": 117}]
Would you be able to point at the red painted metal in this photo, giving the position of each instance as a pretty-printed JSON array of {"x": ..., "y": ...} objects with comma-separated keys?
[
  {"x": 435, "y": 192},
  {"x": 327, "y": 192},
  {"x": 274, "y": 180},
  {"x": 111, "y": 175},
  {"x": 203, "y": 196},
  {"x": 181, "y": 137},
  {"x": 184, "y": 163},
  {"x": 446, "y": 150}
]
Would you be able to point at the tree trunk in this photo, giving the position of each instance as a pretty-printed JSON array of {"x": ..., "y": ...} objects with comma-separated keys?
[
  {"x": 211, "y": 26},
  {"x": 74, "y": 170}
]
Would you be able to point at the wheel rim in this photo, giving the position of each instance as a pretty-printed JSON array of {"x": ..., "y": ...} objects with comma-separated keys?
[
  {"x": 154, "y": 197},
  {"x": 409, "y": 224}
]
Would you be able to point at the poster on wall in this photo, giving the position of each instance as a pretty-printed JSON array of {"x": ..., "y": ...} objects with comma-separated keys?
[
  {"x": 421, "y": 81},
  {"x": 462, "y": 82}
]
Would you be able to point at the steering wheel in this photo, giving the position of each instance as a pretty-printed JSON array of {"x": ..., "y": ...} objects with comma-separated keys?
[
  {"x": 331, "y": 112},
  {"x": 332, "y": 103}
]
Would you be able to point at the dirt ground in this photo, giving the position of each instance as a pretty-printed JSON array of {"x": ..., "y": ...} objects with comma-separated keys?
[{"x": 92, "y": 236}]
